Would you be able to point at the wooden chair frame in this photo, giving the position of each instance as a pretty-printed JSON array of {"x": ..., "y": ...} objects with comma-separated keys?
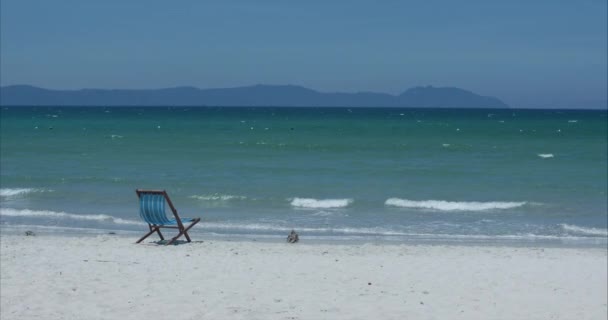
[{"x": 156, "y": 228}]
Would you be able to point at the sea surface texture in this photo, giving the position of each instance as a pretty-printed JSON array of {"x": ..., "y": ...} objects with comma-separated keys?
[{"x": 370, "y": 174}]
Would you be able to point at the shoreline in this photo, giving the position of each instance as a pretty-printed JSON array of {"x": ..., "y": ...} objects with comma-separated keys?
[
  {"x": 430, "y": 240},
  {"x": 105, "y": 277}
]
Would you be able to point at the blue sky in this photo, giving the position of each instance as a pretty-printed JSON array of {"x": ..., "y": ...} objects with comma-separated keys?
[{"x": 527, "y": 53}]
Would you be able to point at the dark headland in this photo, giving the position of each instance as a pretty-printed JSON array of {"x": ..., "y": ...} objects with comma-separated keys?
[{"x": 255, "y": 96}]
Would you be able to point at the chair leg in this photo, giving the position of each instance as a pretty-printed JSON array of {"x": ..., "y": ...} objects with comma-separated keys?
[
  {"x": 152, "y": 230},
  {"x": 160, "y": 234},
  {"x": 185, "y": 231},
  {"x": 195, "y": 221}
]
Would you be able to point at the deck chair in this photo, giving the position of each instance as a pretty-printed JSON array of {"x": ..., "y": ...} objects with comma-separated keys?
[{"x": 152, "y": 211}]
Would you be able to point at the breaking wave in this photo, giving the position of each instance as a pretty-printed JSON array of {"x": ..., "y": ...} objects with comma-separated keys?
[
  {"x": 8, "y": 192},
  {"x": 8, "y": 212},
  {"x": 261, "y": 227},
  {"x": 320, "y": 204},
  {"x": 218, "y": 197},
  {"x": 585, "y": 231},
  {"x": 315, "y": 232},
  {"x": 451, "y": 205}
]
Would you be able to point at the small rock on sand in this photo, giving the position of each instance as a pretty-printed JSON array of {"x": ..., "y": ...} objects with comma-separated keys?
[{"x": 293, "y": 237}]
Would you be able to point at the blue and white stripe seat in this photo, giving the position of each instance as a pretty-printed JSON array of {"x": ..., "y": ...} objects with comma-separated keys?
[{"x": 152, "y": 205}]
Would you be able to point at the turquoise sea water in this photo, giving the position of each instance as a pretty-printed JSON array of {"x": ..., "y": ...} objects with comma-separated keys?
[{"x": 330, "y": 173}]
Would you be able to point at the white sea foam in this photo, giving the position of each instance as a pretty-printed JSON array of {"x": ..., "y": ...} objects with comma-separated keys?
[
  {"x": 260, "y": 227},
  {"x": 377, "y": 231},
  {"x": 546, "y": 155},
  {"x": 572, "y": 121},
  {"x": 9, "y": 212},
  {"x": 64, "y": 230},
  {"x": 330, "y": 213},
  {"x": 320, "y": 204},
  {"x": 7, "y": 192},
  {"x": 245, "y": 226},
  {"x": 584, "y": 230},
  {"x": 451, "y": 205},
  {"x": 14, "y": 192},
  {"x": 218, "y": 197}
]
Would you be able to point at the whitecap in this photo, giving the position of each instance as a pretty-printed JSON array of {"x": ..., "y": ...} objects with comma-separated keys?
[
  {"x": 584, "y": 230},
  {"x": 545, "y": 155},
  {"x": 451, "y": 205},
  {"x": 218, "y": 197},
  {"x": 8, "y": 192},
  {"x": 320, "y": 203},
  {"x": 332, "y": 213},
  {"x": 13, "y": 192}
]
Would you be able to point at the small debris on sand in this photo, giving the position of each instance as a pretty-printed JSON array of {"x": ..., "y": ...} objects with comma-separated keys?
[
  {"x": 30, "y": 233},
  {"x": 293, "y": 237}
]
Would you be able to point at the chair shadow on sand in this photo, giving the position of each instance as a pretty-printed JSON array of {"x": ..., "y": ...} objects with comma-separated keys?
[{"x": 165, "y": 242}]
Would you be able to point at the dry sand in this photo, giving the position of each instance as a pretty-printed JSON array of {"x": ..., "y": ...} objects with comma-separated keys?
[{"x": 109, "y": 277}]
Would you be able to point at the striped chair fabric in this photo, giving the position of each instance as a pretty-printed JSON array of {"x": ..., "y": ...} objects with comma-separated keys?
[
  {"x": 152, "y": 205},
  {"x": 152, "y": 209}
]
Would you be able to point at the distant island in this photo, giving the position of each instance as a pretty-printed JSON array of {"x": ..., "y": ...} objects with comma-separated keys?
[{"x": 255, "y": 96}]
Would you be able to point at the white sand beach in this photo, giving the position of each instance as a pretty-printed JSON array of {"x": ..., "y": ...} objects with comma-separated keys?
[{"x": 110, "y": 277}]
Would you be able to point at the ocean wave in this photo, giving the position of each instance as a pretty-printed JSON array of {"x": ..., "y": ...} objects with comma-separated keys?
[
  {"x": 8, "y": 192},
  {"x": 451, "y": 205},
  {"x": 584, "y": 230},
  {"x": 320, "y": 204},
  {"x": 330, "y": 213},
  {"x": 312, "y": 232},
  {"x": 218, "y": 197},
  {"x": 545, "y": 155},
  {"x": 256, "y": 230},
  {"x": 63, "y": 229},
  {"x": 260, "y": 227},
  {"x": 8, "y": 212}
]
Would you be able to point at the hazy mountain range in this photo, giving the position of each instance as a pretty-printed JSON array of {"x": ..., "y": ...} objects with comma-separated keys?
[{"x": 257, "y": 96}]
